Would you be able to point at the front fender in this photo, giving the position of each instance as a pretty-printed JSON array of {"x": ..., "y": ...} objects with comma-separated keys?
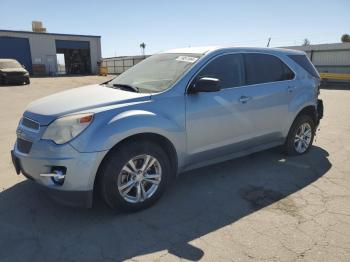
[{"x": 102, "y": 136}]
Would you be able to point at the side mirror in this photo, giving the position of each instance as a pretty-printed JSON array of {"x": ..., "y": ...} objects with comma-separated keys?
[{"x": 205, "y": 84}]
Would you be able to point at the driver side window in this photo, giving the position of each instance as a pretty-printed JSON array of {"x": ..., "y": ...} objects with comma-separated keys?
[{"x": 229, "y": 69}]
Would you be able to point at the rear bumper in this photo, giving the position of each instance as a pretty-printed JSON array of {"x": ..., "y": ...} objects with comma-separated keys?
[{"x": 320, "y": 110}]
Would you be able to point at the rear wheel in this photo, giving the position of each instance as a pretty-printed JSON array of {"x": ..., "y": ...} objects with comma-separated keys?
[
  {"x": 134, "y": 176},
  {"x": 300, "y": 136}
]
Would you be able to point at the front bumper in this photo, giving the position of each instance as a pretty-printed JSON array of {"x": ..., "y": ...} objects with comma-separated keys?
[
  {"x": 11, "y": 79},
  {"x": 69, "y": 198},
  {"x": 81, "y": 169}
]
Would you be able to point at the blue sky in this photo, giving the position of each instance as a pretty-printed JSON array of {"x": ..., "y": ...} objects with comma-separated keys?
[{"x": 162, "y": 25}]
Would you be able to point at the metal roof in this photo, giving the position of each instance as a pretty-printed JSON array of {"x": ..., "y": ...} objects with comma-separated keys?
[
  {"x": 322, "y": 47},
  {"x": 38, "y": 33}
]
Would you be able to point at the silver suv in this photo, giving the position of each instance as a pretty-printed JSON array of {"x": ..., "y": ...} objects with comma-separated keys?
[{"x": 175, "y": 111}]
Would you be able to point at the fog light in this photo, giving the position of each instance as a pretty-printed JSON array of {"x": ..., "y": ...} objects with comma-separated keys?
[
  {"x": 57, "y": 175},
  {"x": 58, "y": 178}
]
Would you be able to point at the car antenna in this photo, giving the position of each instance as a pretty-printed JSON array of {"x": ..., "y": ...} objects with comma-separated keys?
[{"x": 268, "y": 42}]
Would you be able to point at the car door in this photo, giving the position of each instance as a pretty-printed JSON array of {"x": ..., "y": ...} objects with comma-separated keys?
[
  {"x": 214, "y": 120},
  {"x": 269, "y": 88}
]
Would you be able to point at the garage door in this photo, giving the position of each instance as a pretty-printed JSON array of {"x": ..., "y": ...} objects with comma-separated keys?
[
  {"x": 65, "y": 44},
  {"x": 16, "y": 48}
]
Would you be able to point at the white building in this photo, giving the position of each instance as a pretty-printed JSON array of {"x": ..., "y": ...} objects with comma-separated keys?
[{"x": 39, "y": 51}]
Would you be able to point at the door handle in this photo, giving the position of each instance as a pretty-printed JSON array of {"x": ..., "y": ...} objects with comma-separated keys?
[
  {"x": 244, "y": 99},
  {"x": 290, "y": 89}
]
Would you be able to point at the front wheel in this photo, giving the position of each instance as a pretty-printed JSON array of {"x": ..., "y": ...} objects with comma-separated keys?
[
  {"x": 134, "y": 176},
  {"x": 300, "y": 136}
]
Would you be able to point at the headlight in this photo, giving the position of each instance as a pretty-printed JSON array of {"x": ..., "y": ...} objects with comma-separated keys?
[
  {"x": 66, "y": 128},
  {"x": 26, "y": 74}
]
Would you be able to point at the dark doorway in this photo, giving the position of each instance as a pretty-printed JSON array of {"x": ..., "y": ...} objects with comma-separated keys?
[{"x": 76, "y": 56}]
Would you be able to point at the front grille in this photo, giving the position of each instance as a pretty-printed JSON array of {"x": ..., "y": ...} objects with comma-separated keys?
[
  {"x": 24, "y": 146},
  {"x": 30, "y": 123}
]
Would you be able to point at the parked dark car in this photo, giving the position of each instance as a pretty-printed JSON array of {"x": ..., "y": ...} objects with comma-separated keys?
[{"x": 12, "y": 72}]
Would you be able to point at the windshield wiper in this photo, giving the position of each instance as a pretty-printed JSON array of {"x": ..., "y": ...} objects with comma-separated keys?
[{"x": 127, "y": 87}]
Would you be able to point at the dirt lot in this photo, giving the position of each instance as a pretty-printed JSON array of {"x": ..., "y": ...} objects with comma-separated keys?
[{"x": 260, "y": 207}]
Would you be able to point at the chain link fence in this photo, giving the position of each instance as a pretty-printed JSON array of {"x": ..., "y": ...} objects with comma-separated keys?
[{"x": 117, "y": 65}]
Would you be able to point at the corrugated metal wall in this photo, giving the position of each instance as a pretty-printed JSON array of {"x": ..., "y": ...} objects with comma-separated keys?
[{"x": 333, "y": 58}]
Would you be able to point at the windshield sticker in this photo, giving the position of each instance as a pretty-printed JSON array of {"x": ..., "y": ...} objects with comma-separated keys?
[{"x": 188, "y": 59}]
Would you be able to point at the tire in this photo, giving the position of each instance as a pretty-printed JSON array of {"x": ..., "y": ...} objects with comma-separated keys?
[
  {"x": 111, "y": 174},
  {"x": 27, "y": 81},
  {"x": 292, "y": 142}
]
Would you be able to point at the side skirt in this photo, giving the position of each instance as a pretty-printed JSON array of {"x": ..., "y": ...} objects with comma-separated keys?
[{"x": 232, "y": 156}]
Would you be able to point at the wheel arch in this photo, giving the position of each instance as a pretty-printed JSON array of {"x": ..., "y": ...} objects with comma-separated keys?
[
  {"x": 161, "y": 140},
  {"x": 309, "y": 110}
]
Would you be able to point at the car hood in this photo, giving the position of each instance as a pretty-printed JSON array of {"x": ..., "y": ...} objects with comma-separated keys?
[
  {"x": 15, "y": 70},
  {"x": 47, "y": 109}
]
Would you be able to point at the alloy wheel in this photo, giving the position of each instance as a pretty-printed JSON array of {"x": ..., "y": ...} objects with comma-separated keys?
[
  {"x": 139, "y": 178},
  {"x": 303, "y": 138}
]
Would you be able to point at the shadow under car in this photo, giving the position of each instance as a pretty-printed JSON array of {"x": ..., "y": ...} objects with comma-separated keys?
[{"x": 201, "y": 201}]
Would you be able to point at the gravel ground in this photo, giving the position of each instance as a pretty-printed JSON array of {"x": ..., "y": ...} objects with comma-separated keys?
[{"x": 260, "y": 207}]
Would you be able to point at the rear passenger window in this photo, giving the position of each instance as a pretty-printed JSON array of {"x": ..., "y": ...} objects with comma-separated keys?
[
  {"x": 263, "y": 68},
  {"x": 229, "y": 69}
]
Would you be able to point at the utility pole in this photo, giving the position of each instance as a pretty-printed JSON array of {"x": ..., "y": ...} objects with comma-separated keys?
[{"x": 268, "y": 42}]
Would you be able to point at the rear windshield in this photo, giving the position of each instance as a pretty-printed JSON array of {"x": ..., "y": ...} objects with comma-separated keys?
[
  {"x": 305, "y": 63},
  {"x": 9, "y": 64}
]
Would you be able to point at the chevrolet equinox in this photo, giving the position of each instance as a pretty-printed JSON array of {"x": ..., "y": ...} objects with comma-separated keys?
[{"x": 174, "y": 111}]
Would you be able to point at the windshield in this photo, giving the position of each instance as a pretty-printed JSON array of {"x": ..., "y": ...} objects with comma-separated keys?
[
  {"x": 10, "y": 64},
  {"x": 156, "y": 73}
]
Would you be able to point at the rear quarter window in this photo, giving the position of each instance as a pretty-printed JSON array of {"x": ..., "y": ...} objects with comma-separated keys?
[{"x": 305, "y": 63}]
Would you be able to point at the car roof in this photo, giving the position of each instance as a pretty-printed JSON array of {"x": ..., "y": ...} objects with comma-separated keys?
[
  {"x": 193, "y": 50},
  {"x": 206, "y": 49}
]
